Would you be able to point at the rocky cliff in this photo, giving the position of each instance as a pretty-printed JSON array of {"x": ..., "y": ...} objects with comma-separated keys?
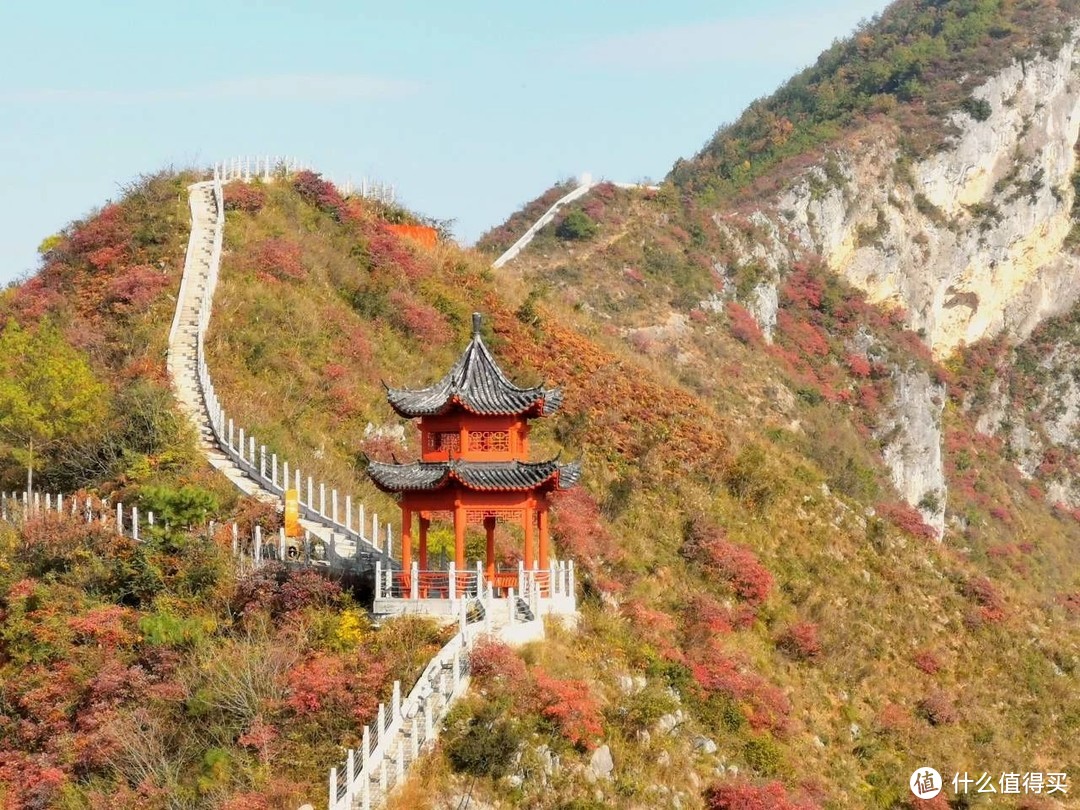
[{"x": 968, "y": 241}]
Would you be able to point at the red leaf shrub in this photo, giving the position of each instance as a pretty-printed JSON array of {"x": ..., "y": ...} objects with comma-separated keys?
[
  {"x": 276, "y": 590},
  {"x": 741, "y": 795},
  {"x": 803, "y": 289},
  {"x": 579, "y": 531},
  {"x": 108, "y": 626},
  {"x": 246, "y": 197},
  {"x": 735, "y": 564},
  {"x": 766, "y": 706},
  {"x": 893, "y": 718},
  {"x": 320, "y": 193},
  {"x": 906, "y": 518},
  {"x": 742, "y": 324},
  {"x": 317, "y": 683},
  {"x": 419, "y": 320},
  {"x": 495, "y": 667},
  {"x": 570, "y": 707},
  {"x": 277, "y": 258},
  {"x": 800, "y": 641},
  {"x": 938, "y": 708},
  {"x": 858, "y": 365},
  {"x": 1071, "y": 602},
  {"x": 987, "y": 597},
  {"x": 136, "y": 288},
  {"x": 927, "y": 661}
]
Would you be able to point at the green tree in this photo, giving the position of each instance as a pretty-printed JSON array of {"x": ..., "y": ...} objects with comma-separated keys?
[
  {"x": 48, "y": 394},
  {"x": 576, "y": 225}
]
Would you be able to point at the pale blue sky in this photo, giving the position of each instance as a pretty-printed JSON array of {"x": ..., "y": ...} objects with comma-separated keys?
[{"x": 469, "y": 107}]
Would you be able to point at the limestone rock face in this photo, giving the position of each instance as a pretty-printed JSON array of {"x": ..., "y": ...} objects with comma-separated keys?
[{"x": 968, "y": 241}]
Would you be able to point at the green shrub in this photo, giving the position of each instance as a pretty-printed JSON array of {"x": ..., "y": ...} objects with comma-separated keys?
[
  {"x": 576, "y": 225},
  {"x": 481, "y": 743}
]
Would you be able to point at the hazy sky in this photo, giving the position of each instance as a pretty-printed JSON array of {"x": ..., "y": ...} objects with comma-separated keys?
[{"x": 470, "y": 107}]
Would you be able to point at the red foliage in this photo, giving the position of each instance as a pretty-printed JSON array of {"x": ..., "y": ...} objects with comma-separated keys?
[
  {"x": 858, "y": 365},
  {"x": 927, "y": 661},
  {"x": 655, "y": 627},
  {"x": 938, "y": 708},
  {"x": 893, "y": 718},
  {"x": 735, "y": 564},
  {"x": 317, "y": 683},
  {"x": 906, "y": 518},
  {"x": 277, "y": 258},
  {"x": 105, "y": 257},
  {"x": 800, "y": 641},
  {"x": 803, "y": 289},
  {"x": 320, "y": 193},
  {"x": 705, "y": 617},
  {"x": 570, "y": 707},
  {"x": 136, "y": 288},
  {"x": 987, "y": 597},
  {"x": 580, "y": 533},
  {"x": 742, "y": 324},
  {"x": 766, "y": 705},
  {"x": 277, "y": 591},
  {"x": 807, "y": 337},
  {"x": 419, "y": 320},
  {"x": 1071, "y": 602},
  {"x": 246, "y": 197},
  {"x": 392, "y": 256},
  {"x": 107, "y": 229},
  {"x": 741, "y": 795},
  {"x": 495, "y": 667},
  {"x": 334, "y": 371},
  {"x": 108, "y": 626}
]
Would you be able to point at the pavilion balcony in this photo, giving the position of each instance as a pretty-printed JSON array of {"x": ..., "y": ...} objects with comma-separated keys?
[{"x": 502, "y": 592}]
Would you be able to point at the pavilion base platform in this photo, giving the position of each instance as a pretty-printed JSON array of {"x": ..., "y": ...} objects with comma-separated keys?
[{"x": 503, "y": 597}]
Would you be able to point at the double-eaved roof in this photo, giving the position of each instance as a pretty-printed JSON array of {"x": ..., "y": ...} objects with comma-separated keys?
[
  {"x": 477, "y": 384},
  {"x": 479, "y": 475}
]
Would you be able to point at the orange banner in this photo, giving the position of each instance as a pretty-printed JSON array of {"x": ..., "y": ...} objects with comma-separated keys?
[
  {"x": 292, "y": 514},
  {"x": 426, "y": 236}
]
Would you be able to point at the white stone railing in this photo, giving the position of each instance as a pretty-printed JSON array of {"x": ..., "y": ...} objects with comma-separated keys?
[
  {"x": 585, "y": 184},
  {"x": 252, "y": 458},
  {"x": 419, "y": 716},
  {"x": 265, "y": 168}
]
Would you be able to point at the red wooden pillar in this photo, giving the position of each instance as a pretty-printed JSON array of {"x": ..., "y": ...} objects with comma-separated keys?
[
  {"x": 406, "y": 544},
  {"x": 530, "y": 522},
  {"x": 425, "y": 524},
  {"x": 459, "y": 536},
  {"x": 544, "y": 542},
  {"x": 489, "y": 528}
]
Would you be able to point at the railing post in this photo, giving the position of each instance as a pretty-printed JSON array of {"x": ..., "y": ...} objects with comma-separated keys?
[
  {"x": 283, "y": 550},
  {"x": 350, "y": 772},
  {"x": 463, "y": 619},
  {"x": 348, "y": 513},
  {"x": 452, "y": 582},
  {"x": 375, "y": 529},
  {"x": 258, "y": 544},
  {"x": 273, "y": 468},
  {"x": 414, "y": 584},
  {"x": 552, "y": 581},
  {"x": 322, "y": 499},
  {"x": 479, "y": 578},
  {"x": 262, "y": 461},
  {"x": 521, "y": 577},
  {"x": 251, "y": 451},
  {"x": 135, "y": 522},
  {"x": 389, "y": 542},
  {"x": 230, "y": 434},
  {"x": 513, "y": 606},
  {"x": 378, "y": 579},
  {"x": 119, "y": 517},
  {"x": 380, "y": 732},
  {"x": 365, "y": 752},
  {"x": 310, "y": 492},
  {"x": 285, "y": 475},
  {"x": 333, "y": 505},
  {"x": 333, "y": 789},
  {"x": 395, "y": 703}
]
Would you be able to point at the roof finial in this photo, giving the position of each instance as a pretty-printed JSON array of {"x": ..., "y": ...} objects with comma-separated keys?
[{"x": 476, "y": 317}]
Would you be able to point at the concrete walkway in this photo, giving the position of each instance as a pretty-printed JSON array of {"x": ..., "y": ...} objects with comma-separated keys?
[{"x": 182, "y": 360}]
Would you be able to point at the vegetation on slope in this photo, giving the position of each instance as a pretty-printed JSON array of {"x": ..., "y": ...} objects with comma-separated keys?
[
  {"x": 916, "y": 62},
  {"x": 729, "y": 533}
]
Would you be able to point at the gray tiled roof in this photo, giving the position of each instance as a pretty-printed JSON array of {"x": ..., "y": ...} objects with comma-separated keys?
[
  {"x": 476, "y": 383},
  {"x": 483, "y": 475}
]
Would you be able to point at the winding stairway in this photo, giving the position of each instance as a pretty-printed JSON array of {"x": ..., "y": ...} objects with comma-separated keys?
[{"x": 196, "y": 293}]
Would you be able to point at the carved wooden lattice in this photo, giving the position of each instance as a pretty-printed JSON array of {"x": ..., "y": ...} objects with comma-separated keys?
[
  {"x": 504, "y": 515},
  {"x": 444, "y": 441},
  {"x": 489, "y": 441}
]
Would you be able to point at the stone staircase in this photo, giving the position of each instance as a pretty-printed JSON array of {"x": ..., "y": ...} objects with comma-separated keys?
[{"x": 182, "y": 359}]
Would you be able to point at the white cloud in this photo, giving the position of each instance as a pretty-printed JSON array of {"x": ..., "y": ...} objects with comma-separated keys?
[
  {"x": 316, "y": 87},
  {"x": 774, "y": 38}
]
